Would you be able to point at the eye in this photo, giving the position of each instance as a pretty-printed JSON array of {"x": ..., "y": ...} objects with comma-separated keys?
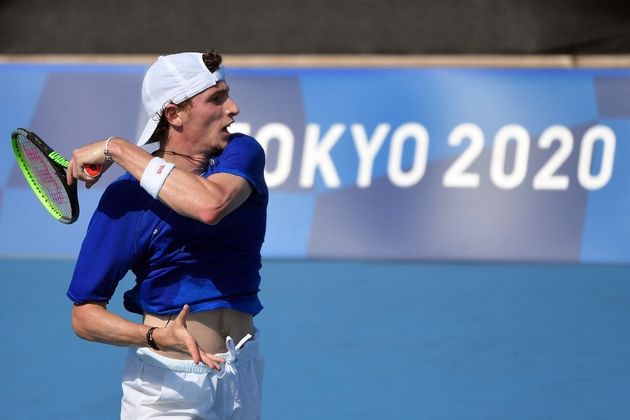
[{"x": 219, "y": 98}]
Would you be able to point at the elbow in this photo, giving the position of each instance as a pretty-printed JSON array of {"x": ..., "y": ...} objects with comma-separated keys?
[
  {"x": 80, "y": 323},
  {"x": 209, "y": 217},
  {"x": 212, "y": 208},
  {"x": 79, "y": 328},
  {"x": 212, "y": 214}
]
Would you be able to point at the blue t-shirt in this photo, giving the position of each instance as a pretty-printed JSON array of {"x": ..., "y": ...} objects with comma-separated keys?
[{"x": 177, "y": 260}]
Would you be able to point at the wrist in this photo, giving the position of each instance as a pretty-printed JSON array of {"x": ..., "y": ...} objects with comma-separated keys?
[
  {"x": 107, "y": 150},
  {"x": 155, "y": 175}
]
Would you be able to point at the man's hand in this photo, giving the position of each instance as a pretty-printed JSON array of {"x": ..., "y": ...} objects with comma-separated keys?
[
  {"x": 175, "y": 336},
  {"x": 90, "y": 154}
]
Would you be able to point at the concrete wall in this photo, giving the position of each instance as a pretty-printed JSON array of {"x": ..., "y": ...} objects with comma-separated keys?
[{"x": 315, "y": 27}]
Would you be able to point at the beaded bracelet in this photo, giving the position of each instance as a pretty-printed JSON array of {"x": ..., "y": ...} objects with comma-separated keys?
[
  {"x": 108, "y": 156},
  {"x": 150, "y": 340}
]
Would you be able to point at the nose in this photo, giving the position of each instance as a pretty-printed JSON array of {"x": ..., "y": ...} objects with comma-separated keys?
[{"x": 231, "y": 107}]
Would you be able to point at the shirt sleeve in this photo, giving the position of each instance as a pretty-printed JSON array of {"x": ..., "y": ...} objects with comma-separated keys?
[
  {"x": 244, "y": 157},
  {"x": 109, "y": 249}
]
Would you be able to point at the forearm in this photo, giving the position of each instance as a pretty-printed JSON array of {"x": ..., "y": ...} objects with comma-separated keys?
[
  {"x": 93, "y": 322},
  {"x": 187, "y": 194},
  {"x": 207, "y": 200}
]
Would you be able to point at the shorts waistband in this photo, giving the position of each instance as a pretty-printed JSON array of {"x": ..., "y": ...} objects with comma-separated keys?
[{"x": 233, "y": 358}]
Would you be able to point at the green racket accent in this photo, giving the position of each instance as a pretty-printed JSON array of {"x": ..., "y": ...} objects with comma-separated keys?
[
  {"x": 56, "y": 157},
  {"x": 42, "y": 168}
]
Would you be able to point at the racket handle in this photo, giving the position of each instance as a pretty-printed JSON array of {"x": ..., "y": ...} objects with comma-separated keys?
[{"x": 92, "y": 170}]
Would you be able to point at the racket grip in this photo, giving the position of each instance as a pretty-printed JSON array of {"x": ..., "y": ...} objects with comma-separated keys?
[{"x": 92, "y": 170}]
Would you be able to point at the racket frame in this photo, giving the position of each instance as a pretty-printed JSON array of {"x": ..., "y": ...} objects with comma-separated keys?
[{"x": 59, "y": 164}]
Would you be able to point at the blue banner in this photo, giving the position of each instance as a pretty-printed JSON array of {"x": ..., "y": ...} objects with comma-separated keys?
[{"x": 449, "y": 164}]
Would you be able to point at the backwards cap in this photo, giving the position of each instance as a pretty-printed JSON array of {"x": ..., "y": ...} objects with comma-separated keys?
[{"x": 174, "y": 78}]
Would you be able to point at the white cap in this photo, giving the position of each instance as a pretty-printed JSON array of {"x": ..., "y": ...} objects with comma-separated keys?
[{"x": 174, "y": 78}]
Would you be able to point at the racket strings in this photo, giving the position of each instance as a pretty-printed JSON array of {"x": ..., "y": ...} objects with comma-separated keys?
[{"x": 44, "y": 175}]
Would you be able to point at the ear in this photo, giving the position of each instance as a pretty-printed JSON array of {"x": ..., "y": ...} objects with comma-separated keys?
[{"x": 171, "y": 113}]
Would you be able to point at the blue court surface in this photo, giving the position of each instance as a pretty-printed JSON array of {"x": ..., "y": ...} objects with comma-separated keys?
[{"x": 363, "y": 340}]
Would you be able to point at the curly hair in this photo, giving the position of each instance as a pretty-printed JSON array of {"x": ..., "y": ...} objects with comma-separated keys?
[{"x": 212, "y": 60}]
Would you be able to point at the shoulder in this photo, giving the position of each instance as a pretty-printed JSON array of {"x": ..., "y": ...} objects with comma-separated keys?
[
  {"x": 243, "y": 151},
  {"x": 245, "y": 157},
  {"x": 243, "y": 142}
]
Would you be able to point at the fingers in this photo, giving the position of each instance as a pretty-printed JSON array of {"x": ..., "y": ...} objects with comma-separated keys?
[
  {"x": 197, "y": 354},
  {"x": 191, "y": 344},
  {"x": 69, "y": 176},
  {"x": 87, "y": 164},
  {"x": 211, "y": 360},
  {"x": 89, "y": 177},
  {"x": 181, "y": 317}
]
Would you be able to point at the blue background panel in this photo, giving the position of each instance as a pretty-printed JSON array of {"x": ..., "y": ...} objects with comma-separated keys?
[{"x": 70, "y": 105}]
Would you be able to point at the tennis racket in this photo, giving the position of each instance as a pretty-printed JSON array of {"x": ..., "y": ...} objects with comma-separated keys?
[{"x": 45, "y": 171}]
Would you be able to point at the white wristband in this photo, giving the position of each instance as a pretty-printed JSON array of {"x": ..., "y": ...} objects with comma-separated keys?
[{"x": 154, "y": 175}]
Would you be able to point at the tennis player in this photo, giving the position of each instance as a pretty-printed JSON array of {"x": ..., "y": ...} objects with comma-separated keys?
[{"x": 188, "y": 221}]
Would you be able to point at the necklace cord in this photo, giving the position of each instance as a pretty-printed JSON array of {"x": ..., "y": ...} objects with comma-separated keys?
[{"x": 200, "y": 163}]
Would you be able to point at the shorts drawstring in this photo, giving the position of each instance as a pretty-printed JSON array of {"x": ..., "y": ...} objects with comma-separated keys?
[{"x": 232, "y": 355}]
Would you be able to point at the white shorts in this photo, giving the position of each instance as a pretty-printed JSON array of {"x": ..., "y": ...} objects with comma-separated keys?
[{"x": 157, "y": 387}]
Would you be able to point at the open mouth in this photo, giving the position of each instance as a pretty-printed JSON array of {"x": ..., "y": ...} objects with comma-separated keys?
[{"x": 226, "y": 129}]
